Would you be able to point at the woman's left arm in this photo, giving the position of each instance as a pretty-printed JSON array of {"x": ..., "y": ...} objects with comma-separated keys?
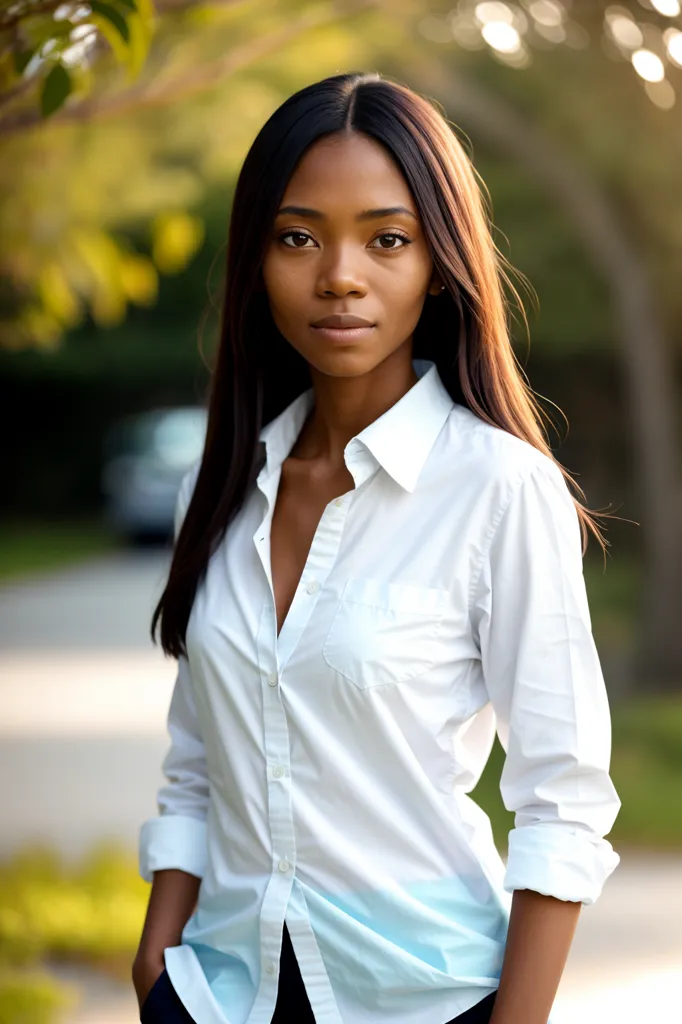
[
  {"x": 539, "y": 938},
  {"x": 542, "y": 671}
]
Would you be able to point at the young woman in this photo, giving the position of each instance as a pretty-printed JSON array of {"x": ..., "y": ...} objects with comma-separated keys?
[{"x": 377, "y": 565}]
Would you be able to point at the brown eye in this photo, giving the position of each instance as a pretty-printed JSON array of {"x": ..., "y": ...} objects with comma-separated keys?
[
  {"x": 392, "y": 236},
  {"x": 298, "y": 235}
]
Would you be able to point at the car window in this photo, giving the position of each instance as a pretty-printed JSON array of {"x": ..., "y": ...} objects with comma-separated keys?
[{"x": 178, "y": 437}]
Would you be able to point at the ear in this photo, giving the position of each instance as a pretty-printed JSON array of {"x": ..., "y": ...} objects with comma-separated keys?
[{"x": 436, "y": 286}]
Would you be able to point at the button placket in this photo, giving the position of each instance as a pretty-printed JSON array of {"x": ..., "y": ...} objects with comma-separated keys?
[
  {"x": 274, "y": 650},
  {"x": 282, "y": 838}
]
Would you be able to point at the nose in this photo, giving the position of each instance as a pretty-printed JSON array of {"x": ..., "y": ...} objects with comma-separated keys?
[{"x": 339, "y": 274}]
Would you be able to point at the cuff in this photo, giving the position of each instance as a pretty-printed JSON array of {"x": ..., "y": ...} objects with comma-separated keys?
[
  {"x": 569, "y": 865},
  {"x": 172, "y": 841}
]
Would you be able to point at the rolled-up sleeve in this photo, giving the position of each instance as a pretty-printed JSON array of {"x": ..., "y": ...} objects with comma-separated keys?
[
  {"x": 176, "y": 838},
  {"x": 544, "y": 679}
]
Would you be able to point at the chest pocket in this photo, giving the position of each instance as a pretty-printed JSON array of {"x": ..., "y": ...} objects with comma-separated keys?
[{"x": 385, "y": 633}]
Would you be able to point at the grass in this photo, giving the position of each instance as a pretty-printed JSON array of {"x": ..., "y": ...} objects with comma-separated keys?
[{"x": 38, "y": 547}]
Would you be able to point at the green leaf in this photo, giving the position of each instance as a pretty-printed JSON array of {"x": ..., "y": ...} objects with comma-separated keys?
[
  {"x": 21, "y": 60},
  {"x": 56, "y": 88},
  {"x": 112, "y": 15},
  {"x": 131, "y": 4}
]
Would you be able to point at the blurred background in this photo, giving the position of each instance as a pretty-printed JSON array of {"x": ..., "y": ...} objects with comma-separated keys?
[{"x": 123, "y": 124}]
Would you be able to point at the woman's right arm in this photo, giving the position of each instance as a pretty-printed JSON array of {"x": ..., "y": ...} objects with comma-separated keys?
[
  {"x": 171, "y": 903},
  {"x": 173, "y": 844}
]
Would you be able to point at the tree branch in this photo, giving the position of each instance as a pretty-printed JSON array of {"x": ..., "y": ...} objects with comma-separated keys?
[
  {"x": 10, "y": 21},
  {"x": 24, "y": 85},
  {"x": 157, "y": 92}
]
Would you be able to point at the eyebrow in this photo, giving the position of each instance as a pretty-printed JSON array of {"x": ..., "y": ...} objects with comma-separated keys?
[{"x": 306, "y": 211}]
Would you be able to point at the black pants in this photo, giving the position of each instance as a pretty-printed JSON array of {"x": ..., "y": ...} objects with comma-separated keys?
[
  {"x": 293, "y": 1002},
  {"x": 163, "y": 1005}
]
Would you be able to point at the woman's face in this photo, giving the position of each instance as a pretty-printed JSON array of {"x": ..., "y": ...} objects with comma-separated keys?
[{"x": 347, "y": 240}]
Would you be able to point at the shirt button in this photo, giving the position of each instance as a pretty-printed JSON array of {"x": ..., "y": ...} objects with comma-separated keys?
[
  {"x": 313, "y": 587},
  {"x": 272, "y": 678},
  {"x": 278, "y": 771},
  {"x": 270, "y": 967},
  {"x": 284, "y": 865}
]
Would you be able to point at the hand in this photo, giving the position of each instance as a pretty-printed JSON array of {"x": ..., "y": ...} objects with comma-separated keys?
[{"x": 147, "y": 969}]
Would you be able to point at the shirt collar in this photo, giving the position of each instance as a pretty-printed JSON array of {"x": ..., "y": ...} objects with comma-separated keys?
[{"x": 399, "y": 440}]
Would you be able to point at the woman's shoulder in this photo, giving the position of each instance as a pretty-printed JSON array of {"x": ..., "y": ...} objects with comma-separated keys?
[{"x": 495, "y": 455}]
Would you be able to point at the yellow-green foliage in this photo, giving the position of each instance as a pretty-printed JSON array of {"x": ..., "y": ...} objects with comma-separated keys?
[
  {"x": 31, "y": 998},
  {"x": 77, "y": 239},
  {"x": 92, "y": 912}
]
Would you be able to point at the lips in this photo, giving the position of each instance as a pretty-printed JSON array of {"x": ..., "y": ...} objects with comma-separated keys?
[{"x": 343, "y": 321}]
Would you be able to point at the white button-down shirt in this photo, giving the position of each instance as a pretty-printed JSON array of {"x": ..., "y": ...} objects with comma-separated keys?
[{"x": 322, "y": 777}]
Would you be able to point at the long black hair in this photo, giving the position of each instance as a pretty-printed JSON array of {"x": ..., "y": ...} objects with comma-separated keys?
[{"x": 257, "y": 373}]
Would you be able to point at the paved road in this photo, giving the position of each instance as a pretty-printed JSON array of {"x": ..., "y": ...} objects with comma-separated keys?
[
  {"x": 105, "y": 604},
  {"x": 83, "y": 698}
]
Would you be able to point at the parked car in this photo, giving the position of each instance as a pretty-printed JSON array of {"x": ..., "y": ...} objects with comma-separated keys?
[{"x": 145, "y": 459}]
